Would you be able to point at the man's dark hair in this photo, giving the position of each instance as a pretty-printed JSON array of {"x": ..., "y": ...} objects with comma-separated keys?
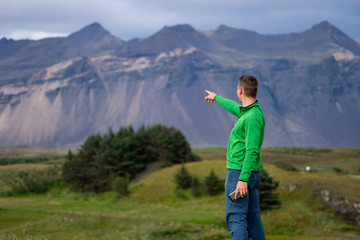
[{"x": 250, "y": 85}]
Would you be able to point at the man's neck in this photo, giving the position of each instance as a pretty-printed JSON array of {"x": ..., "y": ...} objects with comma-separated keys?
[{"x": 248, "y": 101}]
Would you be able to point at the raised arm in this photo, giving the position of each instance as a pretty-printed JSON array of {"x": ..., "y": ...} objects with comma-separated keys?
[{"x": 229, "y": 105}]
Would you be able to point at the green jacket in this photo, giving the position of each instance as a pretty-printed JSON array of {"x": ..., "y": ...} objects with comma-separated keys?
[{"x": 246, "y": 137}]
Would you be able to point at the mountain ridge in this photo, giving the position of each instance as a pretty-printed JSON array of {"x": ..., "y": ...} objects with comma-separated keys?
[
  {"x": 321, "y": 37},
  {"x": 60, "y": 90}
]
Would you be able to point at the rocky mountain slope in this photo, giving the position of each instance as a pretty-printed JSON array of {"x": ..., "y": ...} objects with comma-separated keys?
[{"x": 57, "y": 91}]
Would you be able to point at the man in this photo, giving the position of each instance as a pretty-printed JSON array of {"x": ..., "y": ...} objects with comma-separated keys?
[{"x": 243, "y": 160}]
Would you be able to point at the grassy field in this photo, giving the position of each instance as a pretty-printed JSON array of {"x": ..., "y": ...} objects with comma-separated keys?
[
  {"x": 152, "y": 210},
  {"x": 346, "y": 159}
]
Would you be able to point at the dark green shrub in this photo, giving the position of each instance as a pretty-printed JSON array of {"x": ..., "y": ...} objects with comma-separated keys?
[
  {"x": 183, "y": 178},
  {"x": 196, "y": 187},
  {"x": 81, "y": 170},
  {"x": 123, "y": 154},
  {"x": 286, "y": 166},
  {"x": 213, "y": 186},
  {"x": 268, "y": 197},
  {"x": 339, "y": 170},
  {"x": 170, "y": 144},
  {"x": 120, "y": 186}
]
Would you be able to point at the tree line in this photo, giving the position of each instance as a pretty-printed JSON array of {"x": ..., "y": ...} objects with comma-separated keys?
[
  {"x": 212, "y": 185},
  {"x": 110, "y": 161},
  {"x": 104, "y": 160}
]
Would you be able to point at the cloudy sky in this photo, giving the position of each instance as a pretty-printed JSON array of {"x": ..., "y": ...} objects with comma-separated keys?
[{"x": 127, "y": 19}]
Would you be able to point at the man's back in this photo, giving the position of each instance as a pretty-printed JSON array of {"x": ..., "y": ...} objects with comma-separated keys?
[{"x": 246, "y": 136}]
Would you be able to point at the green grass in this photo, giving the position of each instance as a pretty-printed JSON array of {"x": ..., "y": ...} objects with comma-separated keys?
[
  {"x": 20, "y": 155},
  {"x": 346, "y": 159},
  {"x": 29, "y": 180},
  {"x": 105, "y": 217},
  {"x": 297, "y": 150},
  {"x": 152, "y": 211},
  {"x": 209, "y": 150},
  {"x": 9, "y": 160}
]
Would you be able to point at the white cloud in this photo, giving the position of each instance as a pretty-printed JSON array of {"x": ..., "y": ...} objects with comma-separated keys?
[{"x": 33, "y": 35}]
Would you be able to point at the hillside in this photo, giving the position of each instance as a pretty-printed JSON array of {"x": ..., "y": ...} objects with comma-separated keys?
[
  {"x": 57, "y": 91},
  {"x": 152, "y": 211}
]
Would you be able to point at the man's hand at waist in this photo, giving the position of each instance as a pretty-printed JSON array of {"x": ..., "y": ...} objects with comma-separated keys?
[
  {"x": 241, "y": 188},
  {"x": 210, "y": 97}
]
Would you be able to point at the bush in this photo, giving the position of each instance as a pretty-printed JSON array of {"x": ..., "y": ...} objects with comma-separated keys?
[
  {"x": 268, "y": 197},
  {"x": 123, "y": 154},
  {"x": 196, "y": 187},
  {"x": 183, "y": 178},
  {"x": 213, "y": 186},
  {"x": 170, "y": 144},
  {"x": 30, "y": 181},
  {"x": 286, "y": 166},
  {"x": 120, "y": 186},
  {"x": 339, "y": 170}
]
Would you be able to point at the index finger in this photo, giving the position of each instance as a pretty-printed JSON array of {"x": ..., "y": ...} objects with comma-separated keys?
[{"x": 207, "y": 91}]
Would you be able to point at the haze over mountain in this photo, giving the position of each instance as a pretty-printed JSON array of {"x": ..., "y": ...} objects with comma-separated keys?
[{"x": 57, "y": 91}]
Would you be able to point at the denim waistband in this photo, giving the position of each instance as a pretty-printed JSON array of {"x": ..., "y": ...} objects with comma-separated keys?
[{"x": 240, "y": 170}]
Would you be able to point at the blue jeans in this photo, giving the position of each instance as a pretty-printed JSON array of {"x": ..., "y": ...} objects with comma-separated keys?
[{"x": 243, "y": 215}]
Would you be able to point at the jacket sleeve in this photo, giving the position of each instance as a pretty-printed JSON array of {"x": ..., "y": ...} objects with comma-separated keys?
[
  {"x": 229, "y": 105},
  {"x": 252, "y": 147}
]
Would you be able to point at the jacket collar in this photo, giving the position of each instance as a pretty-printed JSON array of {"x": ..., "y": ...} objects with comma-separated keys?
[{"x": 256, "y": 103}]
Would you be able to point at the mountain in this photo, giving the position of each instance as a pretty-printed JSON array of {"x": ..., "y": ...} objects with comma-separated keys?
[
  {"x": 315, "y": 44},
  {"x": 92, "y": 40},
  {"x": 169, "y": 38},
  {"x": 22, "y": 59},
  {"x": 57, "y": 91}
]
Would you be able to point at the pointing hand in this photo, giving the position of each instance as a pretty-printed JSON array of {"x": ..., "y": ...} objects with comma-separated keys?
[{"x": 210, "y": 97}]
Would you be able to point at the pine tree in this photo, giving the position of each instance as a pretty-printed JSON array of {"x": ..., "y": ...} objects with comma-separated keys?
[
  {"x": 125, "y": 154},
  {"x": 268, "y": 197},
  {"x": 79, "y": 169},
  {"x": 172, "y": 145},
  {"x": 68, "y": 168},
  {"x": 213, "y": 185},
  {"x": 196, "y": 187},
  {"x": 183, "y": 178}
]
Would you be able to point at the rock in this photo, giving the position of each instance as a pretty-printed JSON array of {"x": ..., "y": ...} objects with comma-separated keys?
[
  {"x": 292, "y": 187},
  {"x": 349, "y": 211}
]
